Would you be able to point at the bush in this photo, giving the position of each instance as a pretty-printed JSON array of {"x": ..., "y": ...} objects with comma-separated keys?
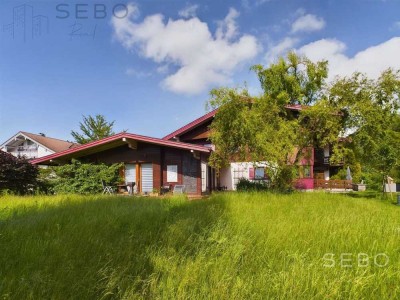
[
  {"x": 17, "y": 175},
  {"x": 83, "y": 178},
  {"x": 245, "y": 185},
  {"x": 283, "y": 180},
  {"x": 46, "y": 181}
]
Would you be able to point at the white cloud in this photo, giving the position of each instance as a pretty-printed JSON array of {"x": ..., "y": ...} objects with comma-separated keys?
[
  {"x": 202, "y": 59},
  {"x": 227, "y": 28},
  {"x": 163, "y": 69},
  {"x": 137, "y": 73},
  {"x": 308, "y": 23},
  {"x": 189, "y": 11},
  {"x": 303, "y": 23},
  {"x": 285, "y": 45},
  {"x": 371, "y": 61},
  {"x": 249, "y": 4}
]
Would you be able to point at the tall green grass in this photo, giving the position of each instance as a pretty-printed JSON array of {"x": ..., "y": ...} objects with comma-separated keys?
[{"x": 231, "y": 246}]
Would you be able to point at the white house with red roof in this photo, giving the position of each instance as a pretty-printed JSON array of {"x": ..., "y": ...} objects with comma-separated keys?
[{"x": 33, "y": 146}]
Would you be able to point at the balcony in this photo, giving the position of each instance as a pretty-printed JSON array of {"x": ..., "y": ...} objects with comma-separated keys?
[
  {"x": 28, "y": 152},
  {"x": 327, "y": 161}
]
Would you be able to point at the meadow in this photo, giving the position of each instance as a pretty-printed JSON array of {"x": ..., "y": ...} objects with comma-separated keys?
[{"x": 229, "y": 246}]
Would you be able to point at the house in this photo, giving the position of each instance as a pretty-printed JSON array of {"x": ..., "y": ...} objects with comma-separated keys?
[
  {"x": 198, "y": 132},
  {"x": 181, "y": 158},
  {"x": 150, "y": 162},
  {"x": 34, "y": 145}
]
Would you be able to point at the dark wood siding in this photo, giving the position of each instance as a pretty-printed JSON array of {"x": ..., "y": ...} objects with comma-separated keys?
[
  {"x": 144, "y": 153},
  {"x": 190, "y": 173},
  {"x": 189, "y": 167},
  {"x": 198, "y": 135},
  {"x": 172, "y": 157}
]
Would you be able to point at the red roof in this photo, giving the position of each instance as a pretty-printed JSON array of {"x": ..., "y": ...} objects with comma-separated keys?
[
  {"x": 118, "y": 136},
  {"x": 191, "y": 125}
]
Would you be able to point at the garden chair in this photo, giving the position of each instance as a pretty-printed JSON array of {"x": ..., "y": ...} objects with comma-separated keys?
[
  {"x": 131, "y": 186},
  {"x": 165, "y": 189},
  {"x": 107, "y": 189},
  {"x": 179, "y": 189}
]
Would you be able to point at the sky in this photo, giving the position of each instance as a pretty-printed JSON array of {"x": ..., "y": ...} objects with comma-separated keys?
[{"x": 150, "y": 65}]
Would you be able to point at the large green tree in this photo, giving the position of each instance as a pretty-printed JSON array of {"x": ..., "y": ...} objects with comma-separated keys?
[
  {"x": 92, "y": 129},
  {"x": 370, "y": 109},
  {"x": 293, "y": 80},
  {"x": 263, "y": 128},
  {"x": 358, "y": 117}
]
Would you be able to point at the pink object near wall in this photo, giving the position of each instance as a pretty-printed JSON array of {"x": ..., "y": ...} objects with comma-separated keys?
[
  {"x": 304, "y": 184},
  {"x": 251, "y": 173}
]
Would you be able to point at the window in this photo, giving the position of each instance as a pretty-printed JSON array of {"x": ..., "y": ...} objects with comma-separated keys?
[
  {"x": 172, "y": 173},
  {"x": 203, "y": 177},
  {"x": 305, "y": 171},
  {"x": 259, "y": 173},
  {"x": 238, "y": 173}
]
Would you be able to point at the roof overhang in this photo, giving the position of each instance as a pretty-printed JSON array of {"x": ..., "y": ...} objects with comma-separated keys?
[
  {"x": 191, "y": 125},
  {"x": 113, "y": 142}
]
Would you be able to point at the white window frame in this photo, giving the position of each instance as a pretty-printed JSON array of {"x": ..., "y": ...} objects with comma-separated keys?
[{"x": 172, "y": 173}]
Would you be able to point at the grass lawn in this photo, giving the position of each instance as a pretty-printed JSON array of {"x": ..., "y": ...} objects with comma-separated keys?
[{"x": 231, "y": 246}]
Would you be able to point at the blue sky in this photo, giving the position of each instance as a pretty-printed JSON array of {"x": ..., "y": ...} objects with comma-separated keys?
[{"x": 151, "y": 71}]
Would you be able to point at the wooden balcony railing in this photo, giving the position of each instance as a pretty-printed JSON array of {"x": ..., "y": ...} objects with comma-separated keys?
[
  {"x": 327, "y": 161},
  {"x": 333, "y": 184}
]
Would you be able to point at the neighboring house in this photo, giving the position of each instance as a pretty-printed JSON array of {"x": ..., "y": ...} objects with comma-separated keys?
[
  {"x": 150, "y": 162},
  {"x": 34, "y": 145}
]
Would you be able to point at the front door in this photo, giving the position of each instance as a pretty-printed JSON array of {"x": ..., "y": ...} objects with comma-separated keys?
[
  {"x": 146, "y": 174},
  {"x": 130, "y": 174},
  {"x": 189, "y": 172}
]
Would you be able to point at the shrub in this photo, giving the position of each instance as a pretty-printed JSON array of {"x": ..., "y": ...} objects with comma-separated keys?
[
  {"x": 283, "y": 180},
  {"x": 17, "y": 175},
  {"x": 245, "y": 185},
  {"x": 83, "y": 178},
  {"x": 46, "y": 181}
]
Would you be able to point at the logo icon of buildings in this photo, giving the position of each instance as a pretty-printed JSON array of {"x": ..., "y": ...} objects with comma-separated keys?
[{"x": 25, "y": 25}]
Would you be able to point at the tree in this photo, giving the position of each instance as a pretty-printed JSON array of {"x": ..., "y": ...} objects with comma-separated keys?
[
  {"x": 249, "y": 129},
  {"x": 294, "y": 80},
  {"x": 371, "y": 118},
  {"x": 261, "y": 128},
  {"x": 17, "y": 174},
  {"x": 356, "y": 116},
  {"x": 93, "y": 128}
]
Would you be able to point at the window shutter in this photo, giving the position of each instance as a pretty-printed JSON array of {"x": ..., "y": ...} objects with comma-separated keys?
[{"x": 251, "y": 173}]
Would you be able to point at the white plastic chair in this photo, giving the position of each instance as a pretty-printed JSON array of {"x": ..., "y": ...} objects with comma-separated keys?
[{"x": 107, "y": 189}]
